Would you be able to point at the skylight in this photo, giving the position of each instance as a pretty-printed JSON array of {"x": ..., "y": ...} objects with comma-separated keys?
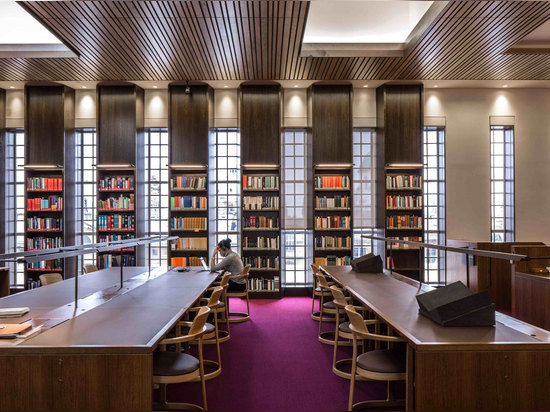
[{"x": 19, "y": 27}]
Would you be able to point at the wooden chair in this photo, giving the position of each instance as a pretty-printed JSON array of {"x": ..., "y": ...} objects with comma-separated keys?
[
  {"x": 50, "y": 278},
  {"x": 327, "y": 308},
  {"x": 90, "y": 268},
  {"x": 342, "y": 330},
  {"x": 211, "y": 335},
  {"x": 222, "y": 308},
  {"x": 381, "y": 365},
  {"x": 241, "y": 316},
  {"x": 177, "y": 367},
  {"x": 318, "y": 293}
]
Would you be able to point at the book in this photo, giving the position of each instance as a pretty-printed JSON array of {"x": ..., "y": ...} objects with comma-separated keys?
[
  {"x": 12, "y": 331},
  {"x": 13, "y": 312}
]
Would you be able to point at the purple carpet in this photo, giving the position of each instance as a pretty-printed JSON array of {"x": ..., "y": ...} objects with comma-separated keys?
[{"x": 275, "y": 363}]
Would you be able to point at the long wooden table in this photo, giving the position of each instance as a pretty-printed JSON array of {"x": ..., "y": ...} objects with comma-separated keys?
[
  {"x": 96, "y": 355},
  {"x": 500, "y": 368}
]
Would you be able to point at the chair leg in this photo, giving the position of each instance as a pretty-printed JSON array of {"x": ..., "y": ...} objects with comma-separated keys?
[
  {"x": 336, "y": 337},
  {"x": 353, "y": 372},
  {"x": 312, "y": 302},
  {"x": 321, "y": 314},
  {"x": 203, "y": 384}
]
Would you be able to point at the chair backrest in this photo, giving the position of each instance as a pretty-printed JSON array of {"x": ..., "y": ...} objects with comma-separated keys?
[
  {"x": 315, "y": 268},
  {"x": 338, "y": 297},
  {"x": 215, "y": 297},
  {"x": 323, "y": 282},
  {"x": 225, "y": 280},
  {"x": 90, "y": 268},
  {"x": 197, "y": 327},
  {"x": 245, "y": 271},
  {"x": 357, "y": 323},
  {"x": 50, "y": 278}
]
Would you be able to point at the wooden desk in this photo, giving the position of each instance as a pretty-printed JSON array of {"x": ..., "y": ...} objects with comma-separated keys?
[
  {"x": 457, "y": 369},
  {"x": 100, "y": 356},
  {"x": 4, "y": 281}
]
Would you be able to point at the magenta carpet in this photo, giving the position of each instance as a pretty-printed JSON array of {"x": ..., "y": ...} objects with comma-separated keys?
[{"x": 275, "y": 363}]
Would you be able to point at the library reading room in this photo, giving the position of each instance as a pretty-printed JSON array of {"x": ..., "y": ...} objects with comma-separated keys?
[{"x": 274, "y": 206}]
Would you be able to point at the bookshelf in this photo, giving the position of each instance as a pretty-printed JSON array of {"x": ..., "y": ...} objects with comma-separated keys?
[
  {"x": 332, "y": 216},
  {"x": 261, "y": 230},
  {"x": 404, "y": 218},
  {"x": 43, "y": 220},
  {"x": 188, "y": 216},
  {"x": 116, "y": 214}
]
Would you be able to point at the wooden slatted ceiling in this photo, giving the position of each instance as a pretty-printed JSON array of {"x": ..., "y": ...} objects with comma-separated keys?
[{"x": 260, "y": 40}]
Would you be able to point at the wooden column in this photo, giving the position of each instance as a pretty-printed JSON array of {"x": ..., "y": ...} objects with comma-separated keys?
[
  {"x": 50, "y": 141},
  {"x": 120, "y": 141},
  {"x": 399, "y": 130}
]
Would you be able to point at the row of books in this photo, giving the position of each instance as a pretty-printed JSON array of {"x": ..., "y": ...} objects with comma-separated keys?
[
  {"x": 403, "y": 202},
  {"x": 262, "y": 262},
  {"x": 399, "y": 246},
  {"x": 261, "y": 284},
  {"x": 111, "y": 222},
  {"x": 261, "y": 182},
  {"x": 332, "y": 260},
  {"x": 332, "y": 222},
  {"x": 333, "y": 202},
  {"x": 35, "y": 243},
  {"x": 45, "y": 203},
  {"x": 185, "y": 261},
  {"x": 332, "y": 182},
  {"x": 44, "y": 223},
  {"x": 115, "y": 237},
  {"x": 188, "y": 182},
  {"x": 185, "y": 243},
  {"x": 116, "y": 183},
  {"x": 33, "y": 284},
  {"x": 47, "y": 265},
  {"x": 333, "y": 242},
  {"x": 404, "y": 182},
  {"x": 260, "y": 222},
  {"x": 261, "y": 242},
  {"x": 260, "y": 202},
  {"x": 121, "y": 202},
  {"x": 188, "y": 202},
  {"x": 109, "y": 261},
  {"x": 45, "y": 183},
  {"x": 404, "y": 222},
  {"x": 188, "y": 223}
]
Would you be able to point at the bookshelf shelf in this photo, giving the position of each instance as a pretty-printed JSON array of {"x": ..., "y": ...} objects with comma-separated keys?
[
  {"x": 404, "y": 228},
  {"x": 188, "y": 186},
  {"x": 335, "y": 209},
  {"x": 405, "y": 189},
  {"x": 116, "y": 190},
  {"x": 260, "y": 206}
]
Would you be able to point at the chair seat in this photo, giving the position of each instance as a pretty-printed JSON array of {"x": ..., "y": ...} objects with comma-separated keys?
[
  {"x": 383, "y": 361},
  {"x": 326, "y": 292},
  {"x": 209, "y": 329},
  {"x": 174, "y": 364},
  {"x": 329, "y": 305},
  {"x": 344, "y": 327}
]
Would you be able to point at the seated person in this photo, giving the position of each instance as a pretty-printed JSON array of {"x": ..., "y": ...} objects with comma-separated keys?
[{"x": 231, "y": 263}]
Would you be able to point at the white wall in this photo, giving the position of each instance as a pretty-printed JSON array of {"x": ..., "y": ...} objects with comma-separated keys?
[
  {"x": 85, "y": 108},
  {"x": 467, "y": 115},
  {"x": 226, "y": 108},
  {"x": 15, "y": 108},
  {"x": 156, "y": 108}
]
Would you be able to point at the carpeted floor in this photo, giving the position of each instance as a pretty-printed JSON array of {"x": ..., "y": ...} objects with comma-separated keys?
[{"x": 275, "y": 363}]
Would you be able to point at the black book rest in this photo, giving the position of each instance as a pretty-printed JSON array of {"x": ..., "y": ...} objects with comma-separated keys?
[{"x": 457, "y": 305}]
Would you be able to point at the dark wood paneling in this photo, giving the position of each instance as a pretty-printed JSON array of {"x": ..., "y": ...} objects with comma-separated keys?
[
  {"x": 189, "y": 123},
  {"x": 261, "y": 40},
  {"x": 400, "y": 122},
  {"x": 331, "y": 123},
  {"x": 69, "y": 180},
  {"x": 3, "y": 170},
  {"x": 260, "y": 124},
  {"x": 49, "y": 115},
  {"x": 117, "y": 123}
]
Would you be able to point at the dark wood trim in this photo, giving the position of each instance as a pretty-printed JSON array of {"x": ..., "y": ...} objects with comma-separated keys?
[{"x": 3, "y": 170}]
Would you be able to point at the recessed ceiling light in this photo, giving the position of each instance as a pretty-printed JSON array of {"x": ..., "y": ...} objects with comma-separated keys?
[
  {"x": 435, "y": 85},
  {"x": 365, "y": 85},
  {"x": 225, "y": 86},
  {"x": 505, "y": 85},
  {"x": 295, "y": 85},
  {"x": 154, "y": 87},
  {"x": 12, "y": 87},
  {"x": 84, "y": 87}
]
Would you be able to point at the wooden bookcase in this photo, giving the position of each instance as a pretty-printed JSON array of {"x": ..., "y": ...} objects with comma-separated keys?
[
  {"x": 399, "y": 152},
  {"x": 49, "y": 154},
  {"x": 114, "y": 222},
  {"x": 261, "y": 222},
  {"x": 332, "y": 217},
  {"x": 188, "y": 222}
]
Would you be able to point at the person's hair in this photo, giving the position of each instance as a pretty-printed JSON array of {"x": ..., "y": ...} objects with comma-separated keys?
[{"x": 225, "y": 244}]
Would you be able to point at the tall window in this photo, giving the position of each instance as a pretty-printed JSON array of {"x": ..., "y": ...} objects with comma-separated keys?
[
  {"x": 434, "y": 202},
  {"x": 364, "y": 171},
  {"x": 224, "y": 176},
  {"x": 156, "y": 175},
  {"x": 86, "y": 186},
  {"x": 297, "y": 240},
  {"x": 502, "y": 184},
  {"x": 15, "y": 202}
]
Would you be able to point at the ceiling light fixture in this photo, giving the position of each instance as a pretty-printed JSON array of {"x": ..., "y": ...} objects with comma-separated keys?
[
  {"x": 12, "y": 87},
  {"x": 154, "y": 87},
  {"x": 505, "y": 85},
  {"x": 225, "y": 87},
  {"x": 295, "y": 85},
  {"x": 84, "y": 87},
  {"x": 365, "y": 85},
  {"x": 436, "y": 86}
]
